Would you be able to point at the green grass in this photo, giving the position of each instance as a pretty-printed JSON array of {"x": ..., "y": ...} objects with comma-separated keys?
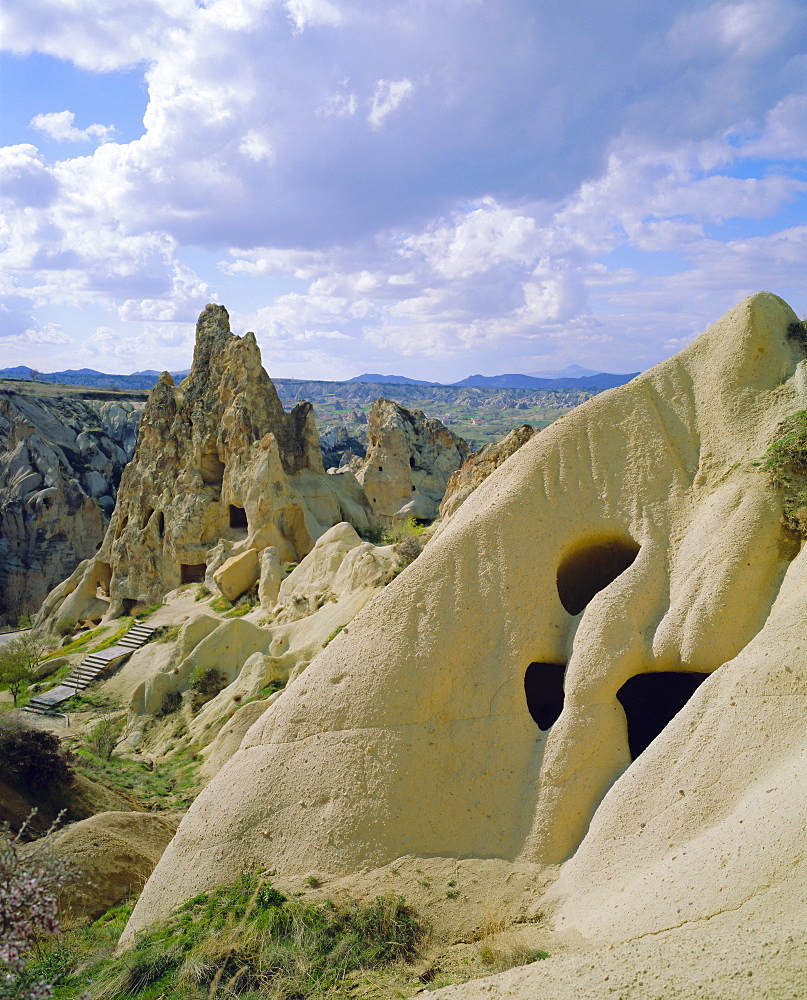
[
  {"x": 786, "y": 464},
  {"x": 245, "y": 939},
  {"x": 220, "y": 604},
  {"x": 146, "y": 613},
  {"x": 77, "y": 644},
  {"x": 169, "y": 784}
]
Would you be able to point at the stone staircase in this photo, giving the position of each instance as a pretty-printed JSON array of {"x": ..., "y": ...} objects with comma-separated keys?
[{"x": 88, "y": 670}]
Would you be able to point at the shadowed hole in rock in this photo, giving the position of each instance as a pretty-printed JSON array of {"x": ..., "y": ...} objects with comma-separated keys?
[
  {"x": 146, "y": 517},
  {"x": 129, "y": 605},
  {"x": 192, "y": 573},
  {"x": 238, "y": 517},
  {"x": 590, "y": 569},
  {"x": 651, "y": 701},
  {"x": 212, "y": 468},
  {"x": 543, "y": 686},
  {"x": 161, "y": 524}
]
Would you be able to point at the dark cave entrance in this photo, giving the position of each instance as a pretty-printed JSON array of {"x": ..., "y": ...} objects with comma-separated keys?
[
  {"x": 192, "y": 573},
  {"x": 238, "y": 518},
  {"x": 651, "y": 701},
  {"x": 543, "y": 686},
  {"x": 590, "y": 569}
]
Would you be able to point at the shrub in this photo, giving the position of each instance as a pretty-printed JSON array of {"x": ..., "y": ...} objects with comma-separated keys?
[
  {"x": 32, "y": 758},
  {"x": 798, "y": 331},
  {"x": 202, "y": 593},
  {"x": 207, "y": 680},
  {"x": 106, "y": 736},
  {"x": 171, "y": 703},
  {"x": 786, "y": 463},
  {"x": 28, "y": 911},
  {"x": 65, "y": 626}
]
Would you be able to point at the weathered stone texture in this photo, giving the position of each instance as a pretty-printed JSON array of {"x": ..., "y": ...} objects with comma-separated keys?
[
  {"x": 60, "y": 464},
  {"x": 409, "y": 462},
  {"x": 220, "y": 470}
]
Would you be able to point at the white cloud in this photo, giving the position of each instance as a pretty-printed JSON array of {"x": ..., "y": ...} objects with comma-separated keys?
[
  {"x": 58, "y": 125},
  {"x": 480, "y": 219},
  {"x": 387, "y": 96}
]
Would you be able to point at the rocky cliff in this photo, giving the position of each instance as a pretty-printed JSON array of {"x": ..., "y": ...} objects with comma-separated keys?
[
  {"x": 477, "y": 467},
  {"x": 409, "y": 460},
  {"x": 594, "y": 678},
  {"x": 61, "y": 459},
  {"x": 220, "y": 473}
]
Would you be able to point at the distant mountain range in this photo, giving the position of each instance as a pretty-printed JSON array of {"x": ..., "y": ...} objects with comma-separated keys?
[
  {"x": 572, "y": 377},
  {"x": 89, "y": 376}
]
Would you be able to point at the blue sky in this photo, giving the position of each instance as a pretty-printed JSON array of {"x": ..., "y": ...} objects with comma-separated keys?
[{"x": 409, "y": 187}]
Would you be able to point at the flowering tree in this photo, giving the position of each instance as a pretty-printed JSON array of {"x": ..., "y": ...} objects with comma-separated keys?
[{"x": 29, "y": 888}]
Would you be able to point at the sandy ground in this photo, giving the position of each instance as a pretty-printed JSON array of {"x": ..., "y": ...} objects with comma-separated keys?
[{"x": 717, "y": 959}]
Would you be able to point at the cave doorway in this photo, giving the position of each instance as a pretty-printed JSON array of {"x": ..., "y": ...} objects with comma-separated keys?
[
  {"x": 543, "y": 688},
  {"x": 192, "y": 572},
  {"x": 211, "y": 468},
  {"x": 590, "y": 569},
  {"x": 651, "y": 701},
  {"x": 238, "y": 518}
]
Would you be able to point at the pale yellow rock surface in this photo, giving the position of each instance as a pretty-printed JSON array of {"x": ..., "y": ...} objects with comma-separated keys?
[
  {"x": 408, "y": 463},
  {"x": 220, "y": 469},
  {"x": 477, "y": 467},
  {"x": 114, "y": 852},
  {"x": 411, "y": 734},
  {"x": 238, "y": 574}
]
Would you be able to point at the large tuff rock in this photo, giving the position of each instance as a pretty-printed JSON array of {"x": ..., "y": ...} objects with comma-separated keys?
[
  {"x": 478, "y": 467},
  {"x": 517, "y": 697},
  {"x": 112, "y": 855},
  {"x": 220, "y": 470},
  {"x": 408, "y": 463},
  {"x": 60, "y": 464}
]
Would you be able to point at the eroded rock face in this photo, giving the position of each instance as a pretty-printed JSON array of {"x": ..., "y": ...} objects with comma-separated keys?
[
  {"x": 113, "y": 853},
  {"x": 60, "y": 464},
  {"x": 218, "y": 462},
  {"x": 408, "y": 463},
  {"x": 475, "y": 709},
  {"x": 477, "y": 467}
]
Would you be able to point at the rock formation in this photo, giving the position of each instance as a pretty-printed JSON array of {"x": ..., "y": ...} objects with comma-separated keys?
[
  {"x": 477, "y": 467},
  {"x": 600, "y": 664},
  {"x": 61, "y": 460},
  {"x": 408, "y": 463},
  {"x": 112, "y": 854},
  {"x": 220, "y": 472}
]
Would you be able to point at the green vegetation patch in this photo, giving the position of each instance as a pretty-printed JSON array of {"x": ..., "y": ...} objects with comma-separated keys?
[
  {"x": 169, "y": 784},
  {"x": 786, "y": 463},
  {"x": 243, "y": 939},
  {"x": 798, "y": 331}
]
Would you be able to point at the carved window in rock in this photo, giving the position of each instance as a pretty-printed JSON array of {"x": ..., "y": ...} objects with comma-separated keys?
[
  {"x": 543, "y": 689},
  {"x": 590, "y": 568},
  {"x": 146, "y": 517},
  {"x": 238, "y": 518},
  {"x": 161, "y": 524},
  {"x": 652, "y": 700},
  {"x": 192, "y": 572},
  {"x": 211, "y": 467}
]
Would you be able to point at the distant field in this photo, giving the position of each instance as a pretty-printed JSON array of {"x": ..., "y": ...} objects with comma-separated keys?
[
  {"x": 480, "y": 415},
  {"x": 57, "y": 390}
]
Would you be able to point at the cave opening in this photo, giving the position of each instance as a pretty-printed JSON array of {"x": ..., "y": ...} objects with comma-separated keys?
[
  {"x": 543, "y": 687},
  {"x": 146, "y": 517},
  {"x": 192, "y": 572},
  {"x": 652, "y": 700},
  {"x": 238, "y": 517},
  {"x": 161, "y": 524},
  {"x": 212, "y": 468},
  {"x": 588, "y": 570}
]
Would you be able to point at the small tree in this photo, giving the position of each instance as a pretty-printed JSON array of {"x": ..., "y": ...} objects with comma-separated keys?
[
  {"x": 32, "y": 758},
  {"x": 18, "y": 659},
  {"x": 106, "y": 736}
]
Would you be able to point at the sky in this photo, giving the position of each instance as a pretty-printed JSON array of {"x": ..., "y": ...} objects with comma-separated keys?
[{"x": 429, "y": 189}]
